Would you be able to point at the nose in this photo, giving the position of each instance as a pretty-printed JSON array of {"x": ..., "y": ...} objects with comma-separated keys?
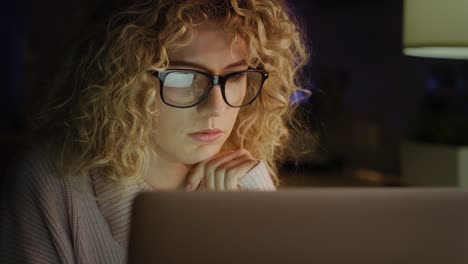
[{"x": 214, "y": 105}]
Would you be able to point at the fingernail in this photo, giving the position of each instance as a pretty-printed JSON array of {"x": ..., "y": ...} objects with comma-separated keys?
[{"x": 189, "y": 187}]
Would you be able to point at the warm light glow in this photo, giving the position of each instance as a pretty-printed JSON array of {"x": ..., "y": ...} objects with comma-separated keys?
[
  {"x": 435, "y": 28},
  {"x": 438, "y": 52}
]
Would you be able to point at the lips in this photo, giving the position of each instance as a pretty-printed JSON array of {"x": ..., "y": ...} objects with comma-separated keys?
[{"x": 206, "y": 135}]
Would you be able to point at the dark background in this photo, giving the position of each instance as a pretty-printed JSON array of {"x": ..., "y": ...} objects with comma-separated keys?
[{"x": 367, "y": 95}]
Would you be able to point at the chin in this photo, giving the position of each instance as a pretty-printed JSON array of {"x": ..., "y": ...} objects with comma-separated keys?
[{"x": 201, "y": 153}]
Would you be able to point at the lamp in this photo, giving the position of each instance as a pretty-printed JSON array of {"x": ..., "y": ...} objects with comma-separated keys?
[{"x": 436, "y": 28}]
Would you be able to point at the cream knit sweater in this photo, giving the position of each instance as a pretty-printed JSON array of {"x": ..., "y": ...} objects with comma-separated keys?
[{"x": 47, "y": 219}]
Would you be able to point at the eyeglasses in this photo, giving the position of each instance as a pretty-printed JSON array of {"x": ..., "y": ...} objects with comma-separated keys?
[{"x": 184, "y": 88}]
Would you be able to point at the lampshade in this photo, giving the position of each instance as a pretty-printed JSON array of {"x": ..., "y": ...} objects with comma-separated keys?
[{"x": 436, "y": 28}]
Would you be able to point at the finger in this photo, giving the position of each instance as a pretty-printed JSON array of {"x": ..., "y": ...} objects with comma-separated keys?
[
  {"x": 220, "y": 159},
  {"x": 219, "y": 179},
  {"x": 220, "y": 172},
  {"x": 198, "y": 173},
  {"x": 215, "y": 176},
  {"x": 202, "y": 183},
  {"x": 202, "y": 188},
  {"x": 207, "y": 167},
  {"x": 195, "y": 177},
  {"x": 231, "y": 181},
  {"x": 221, "y": 164},
  {"x": 247, "y": 154},
  {"x": 210, "y": 181},
  {"x": 234, "y": 174}
]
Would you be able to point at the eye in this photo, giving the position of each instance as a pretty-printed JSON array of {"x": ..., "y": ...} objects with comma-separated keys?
[
  {"x": 179, "y": 79},
  {"x": 238, "y": 77}
]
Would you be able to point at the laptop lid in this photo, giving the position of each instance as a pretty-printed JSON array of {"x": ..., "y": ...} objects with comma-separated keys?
[{"x": 395, "y": 225}]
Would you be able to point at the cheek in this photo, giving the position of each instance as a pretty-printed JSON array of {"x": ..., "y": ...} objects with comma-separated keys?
[
  {"x": 231, "y": 117},
  {"x": 170, "y": 123}
]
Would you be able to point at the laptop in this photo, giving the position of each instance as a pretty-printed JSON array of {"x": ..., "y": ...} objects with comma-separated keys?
[{"x": 354, "y": 225}]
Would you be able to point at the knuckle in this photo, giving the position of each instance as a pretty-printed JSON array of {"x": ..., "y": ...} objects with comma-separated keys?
[
  {"x": 223, "y": 167},
  {"x": 245, "y": 151},
  {"x": 209, "y": 164},
  {"x": 231, "y": 173},
  {"x": 208, "y": 171}
]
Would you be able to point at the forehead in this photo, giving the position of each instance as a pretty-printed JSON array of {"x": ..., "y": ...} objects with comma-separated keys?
[{"x": 210, "y": 40}]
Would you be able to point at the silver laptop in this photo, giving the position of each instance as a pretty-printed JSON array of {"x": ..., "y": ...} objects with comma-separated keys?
[{"x": 301, "y": 226}]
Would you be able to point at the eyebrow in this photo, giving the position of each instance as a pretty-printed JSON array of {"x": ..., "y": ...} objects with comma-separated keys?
[{"x": 199, "y": 66}]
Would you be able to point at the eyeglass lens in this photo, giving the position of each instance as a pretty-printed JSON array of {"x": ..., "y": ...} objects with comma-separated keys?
[{"x": 183, "y": 88}]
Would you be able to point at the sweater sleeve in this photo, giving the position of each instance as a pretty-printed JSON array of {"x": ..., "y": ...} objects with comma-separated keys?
[
  {"x": 33, "y": 227},
  {"x": 257, "y": 179}
]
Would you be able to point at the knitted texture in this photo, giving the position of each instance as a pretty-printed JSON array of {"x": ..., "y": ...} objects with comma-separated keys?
[{"x": 48, "y": 219}]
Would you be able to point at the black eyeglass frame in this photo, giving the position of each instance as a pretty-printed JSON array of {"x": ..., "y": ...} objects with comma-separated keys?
[{"x": 215, "y": 80}]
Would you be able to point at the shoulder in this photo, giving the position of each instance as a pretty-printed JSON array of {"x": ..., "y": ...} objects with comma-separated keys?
[
  {"x": 32, "y": 168},
  {"x": 257, "y": 179},
  {"x": 35, "y": 207},
  {"x": 35, "y": 191},
  {"x": 32, "y": 175},
  {"x": 49, "y": 209}
]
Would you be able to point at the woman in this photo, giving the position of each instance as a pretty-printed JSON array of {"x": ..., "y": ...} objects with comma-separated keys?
[{"x": 169, "y": 95}]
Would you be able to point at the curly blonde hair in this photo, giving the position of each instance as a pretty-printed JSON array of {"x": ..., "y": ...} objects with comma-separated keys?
[{"x": 101, "y": 111}]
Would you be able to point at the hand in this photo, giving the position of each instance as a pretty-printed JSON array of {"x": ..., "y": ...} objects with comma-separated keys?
[{"x": 221, "y": 172}]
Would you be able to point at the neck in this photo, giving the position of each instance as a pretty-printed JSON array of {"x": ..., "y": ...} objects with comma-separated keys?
[{"x": 167, "y": 175}]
